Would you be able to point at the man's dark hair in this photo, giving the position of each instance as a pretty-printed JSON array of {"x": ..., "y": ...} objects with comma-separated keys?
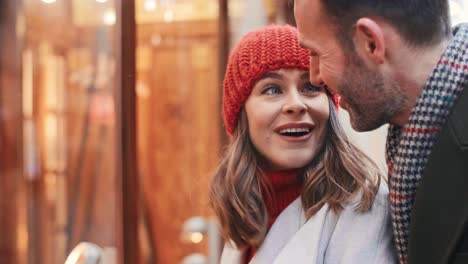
[{"x": 420, "y": 22}]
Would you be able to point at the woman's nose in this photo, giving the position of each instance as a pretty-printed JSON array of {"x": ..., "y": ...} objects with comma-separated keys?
[{"x": 294, "y": 105}]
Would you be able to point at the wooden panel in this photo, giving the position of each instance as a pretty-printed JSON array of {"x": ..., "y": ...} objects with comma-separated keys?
[
  {"x": 92, "y": 202},
  {"x": 178, "y": 120},
  {"x": 169, "y": 31},
  {"x": 10, "y": 133},
  {"x": 86, "y": 182},
  {"x": 77, "y": 201},
  {"x": 91, "y": 142},
  {"x": 145, "y": 235}
]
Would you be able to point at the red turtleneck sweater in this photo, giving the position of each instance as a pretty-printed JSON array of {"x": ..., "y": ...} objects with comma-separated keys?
[{"x": 286, "y": 187}]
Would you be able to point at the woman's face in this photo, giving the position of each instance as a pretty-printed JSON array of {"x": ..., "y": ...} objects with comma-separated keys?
[{"x": 287, "y": 118}]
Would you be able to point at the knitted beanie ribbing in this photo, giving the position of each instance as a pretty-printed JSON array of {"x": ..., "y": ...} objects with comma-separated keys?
[{"x": 258, "y": 52}]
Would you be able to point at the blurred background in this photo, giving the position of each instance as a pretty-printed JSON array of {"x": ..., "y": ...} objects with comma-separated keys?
[{"x": 110, "y": 125}]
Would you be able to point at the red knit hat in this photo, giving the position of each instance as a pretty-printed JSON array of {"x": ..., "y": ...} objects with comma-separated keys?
[{"x": 268, "y": 49}]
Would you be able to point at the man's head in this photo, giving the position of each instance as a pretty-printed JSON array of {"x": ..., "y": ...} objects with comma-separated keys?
[
  {"x": 358, "y": 49},
  {"x": 420, "y": 22}
]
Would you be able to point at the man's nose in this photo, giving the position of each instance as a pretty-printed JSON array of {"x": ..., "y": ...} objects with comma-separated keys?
[{"x": 314, "y": 72}]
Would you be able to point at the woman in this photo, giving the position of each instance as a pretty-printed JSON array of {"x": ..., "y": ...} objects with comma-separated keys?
[{"x": 291, "y": 188}]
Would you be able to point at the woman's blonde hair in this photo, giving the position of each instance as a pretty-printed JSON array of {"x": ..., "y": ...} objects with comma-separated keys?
[{"x": 337, "y": 172}]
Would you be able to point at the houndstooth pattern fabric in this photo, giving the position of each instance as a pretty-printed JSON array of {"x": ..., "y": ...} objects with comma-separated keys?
[{"x": 409, "y": 147}]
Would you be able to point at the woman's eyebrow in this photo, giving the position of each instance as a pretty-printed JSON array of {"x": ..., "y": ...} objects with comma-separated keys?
[
  {"x": 305, "y": 76},
  {"x": 273, "y": 75}
]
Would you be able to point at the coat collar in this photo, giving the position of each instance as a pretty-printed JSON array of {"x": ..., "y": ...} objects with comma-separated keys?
[{"x": 289, "y": 239}]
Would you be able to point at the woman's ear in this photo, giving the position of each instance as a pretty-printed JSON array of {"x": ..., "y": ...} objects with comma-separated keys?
[{"x": 369, "y": 40}]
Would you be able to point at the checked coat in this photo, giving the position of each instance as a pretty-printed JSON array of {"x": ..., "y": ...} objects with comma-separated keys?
[{"x": 428, "y": 165}]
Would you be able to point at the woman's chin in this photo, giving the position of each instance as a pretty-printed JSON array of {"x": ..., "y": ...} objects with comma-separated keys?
[{"x": 291, "y": 163}]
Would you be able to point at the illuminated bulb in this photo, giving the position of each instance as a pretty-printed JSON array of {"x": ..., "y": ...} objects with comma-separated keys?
[
  {"x": 168, "y": 15},
  {"x": 49, "y": 1},
  {"x": 150, "y": 5},
  {"x": 196, "y": 237},
  {"x": 156, "y": 40},
  {"x": 101, "y": 1},
  {"x": 109, "y": 17}
]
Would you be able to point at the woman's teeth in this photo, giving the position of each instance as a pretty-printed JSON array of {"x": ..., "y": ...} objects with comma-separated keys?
[{"x": 295, "y": 132}]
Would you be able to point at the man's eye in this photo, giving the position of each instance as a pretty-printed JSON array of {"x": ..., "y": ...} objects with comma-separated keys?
[
  {"x": 272, "y": 89},
  {"x": 310, "y": 88}
]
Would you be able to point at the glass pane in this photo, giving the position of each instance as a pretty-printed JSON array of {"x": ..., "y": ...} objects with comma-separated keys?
[
  {"x": 178, "y": 108},
  {"x": 65, "y": 132}
]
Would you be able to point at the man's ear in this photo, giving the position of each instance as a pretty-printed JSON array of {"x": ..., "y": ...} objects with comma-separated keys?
[{"x": 369, "y": 40}]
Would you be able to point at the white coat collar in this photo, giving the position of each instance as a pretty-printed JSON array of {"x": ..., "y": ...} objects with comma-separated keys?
[{"x": 289, "y": 240}]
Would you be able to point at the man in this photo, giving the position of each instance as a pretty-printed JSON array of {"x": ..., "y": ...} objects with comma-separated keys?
[{"x": 398, "y": 62}]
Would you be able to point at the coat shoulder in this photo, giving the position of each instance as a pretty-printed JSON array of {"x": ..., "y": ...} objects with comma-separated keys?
[
  {"x": 381, "y": 199},
  {"x": 364, "y": 237}
]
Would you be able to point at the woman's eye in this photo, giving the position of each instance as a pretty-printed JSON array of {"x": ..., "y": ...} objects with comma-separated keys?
[
  {"x": 272, "y": 89},
  {"x": 310, "y": 88}
]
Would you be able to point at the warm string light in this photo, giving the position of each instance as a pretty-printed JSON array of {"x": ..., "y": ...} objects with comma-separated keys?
[
  {"x": 168, "y": 15},
  {"x": 109, "y": 17},
  {"x": 195, "y": 230},
  {"x": 150, "y": 5},
  {"x": 168, "y": 7},
  {"x": 196, "y": 237}
]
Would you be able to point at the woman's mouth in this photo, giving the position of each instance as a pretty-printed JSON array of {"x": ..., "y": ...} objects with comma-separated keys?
[{"x": 295, "y": 132}]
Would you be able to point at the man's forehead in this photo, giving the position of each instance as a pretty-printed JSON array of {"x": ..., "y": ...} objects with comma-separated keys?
[
  {"x": 307, "y": 10},
  {"x": 299, "y": 5},
  {"x": 302, "y": 3},
  {"x": 304, "y": 42}
]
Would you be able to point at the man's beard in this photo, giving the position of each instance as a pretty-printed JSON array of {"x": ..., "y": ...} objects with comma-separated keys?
[{"x": 373, "y": 100}]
